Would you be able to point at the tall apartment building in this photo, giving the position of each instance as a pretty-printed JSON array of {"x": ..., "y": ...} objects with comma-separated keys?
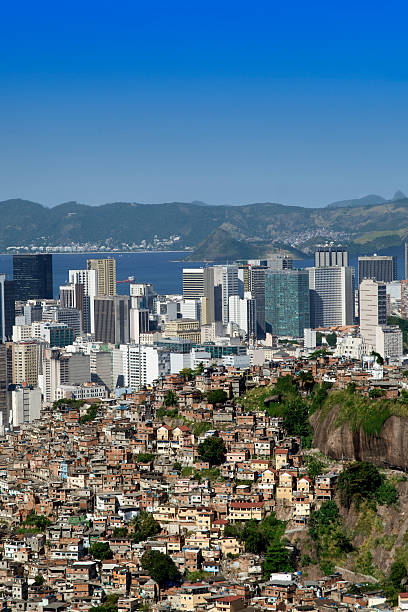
[
  {"x": 25, "y": 405},
  {"x": 243, "y": 313},
  {"x": 59, "y": 368},
  {"x": 32, "y": 275},
  {"x": 89, "y": 281},
  {"x": 139, "y": 323},
  {"x": 72, "y": 295},
  {"x": 331, "y": 256},
  {"x": 287, "y": 311},
  {"x": 225, "y": 285},
  {"x": 373, "y": 309},
  {"x": 198, "y": 284},
  {"x": 106, "y": 275},
  {"x": 331, "y": 296},
  {"x": 70, "y": 316},
  {"x": 381, "y": 268},
  {"x": 389, "y": 342},
  {"x": 4, "y": 381},
  {"x": 111, "y": 315},
  {"x": 25, "y": 366},
  {"x": 7, "y": 308},
  {"x": 141, "y": 365}
]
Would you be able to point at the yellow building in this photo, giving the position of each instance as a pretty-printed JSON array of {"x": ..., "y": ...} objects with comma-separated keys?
[{"x": 106, "y": 274}]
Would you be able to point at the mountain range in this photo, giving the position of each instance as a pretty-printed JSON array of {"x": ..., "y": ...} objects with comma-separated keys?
[{"x": 364, "y": 225}]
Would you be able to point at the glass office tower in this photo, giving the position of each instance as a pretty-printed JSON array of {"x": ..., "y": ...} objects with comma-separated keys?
[{"x": 287, "y": 306}]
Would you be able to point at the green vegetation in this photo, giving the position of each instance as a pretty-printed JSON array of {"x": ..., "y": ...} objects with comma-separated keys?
[
  {"x": 357, "y": 411},
  {"x": 277, "y": 559},
  {"x": 144, "y": 457},
  {"x": 257, "y": 535},
  {"x": 315, "y": 466},
  {"x": 197, "y": 576},
  {"x": 110, "y": 605},
  {"x": 217, "y": 396},
  {"x": 163, "y": 412},
  {"x": 90, "y": 415},
  {"x": 101, "y": 551},
  {"x": 120, "y": 532},
  {"x": 160, "y": 567},
  {"x": 70, "y": 403},
  {"x": 331, "y": 340},
  {"x": 145, "y": 526},
  {"x": 170, "y": 399},
  {"x": 39, "y": 580},
  {"x": 36, "y": 522},
  {"x": 200, "y": 428},
  {"x": 212, "y": 450},
  {"x": 327, "y": 532},
  {"x": 363, "y": 481}
]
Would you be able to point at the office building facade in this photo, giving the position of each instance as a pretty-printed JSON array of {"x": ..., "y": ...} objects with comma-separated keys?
[
  {"x": 7, "y": 308},
  {"x": 381, "y": 268},
  {"x": 32, "y": 275},
  {"x": 331, "y": 256},
  {"x": 373, "y": 309},
  {"x": 111, "y": 315},
  {"x": 287, "y": 310},
  {"x": 331, "y": 296}
]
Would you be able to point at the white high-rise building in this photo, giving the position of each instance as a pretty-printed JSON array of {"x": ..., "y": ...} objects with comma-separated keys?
[
  {"x": 141, "y": 365},
  {"x": 25, "y": 405},
  {"x": 139, "y": 323},
  {"x": 243, "y": 313},
  {"x": 389, "y": 342},
  {"x": 331, "y": 296},
  {"x": 191, "y": 309},
  {"x": 226, "y": 284},
  {"x": 373, "y": 310},
  {"x": 89, "y": 280}
]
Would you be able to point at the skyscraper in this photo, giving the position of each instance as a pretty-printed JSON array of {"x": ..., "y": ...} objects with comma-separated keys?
[
  {"x": 4, "y": 380},
  {"x": 256, "y": 282},
  {"x": 7, "y": 308},
  {"x": 331, "y": 296},
  {"x": 106, "y": 274},
  {"x": 373, "y": 309},
  {"x": 381, "y": 268},
  {"x": 198, "y": 283},
  {"x": 406, "y": 260},
  {"x": 112, "y": 319},
  {"x": 287, "y": 311},
  {"x": 331, "y": 256},
  {"x": 32, "y": 276},
  {"x": 88, "y": 279}
]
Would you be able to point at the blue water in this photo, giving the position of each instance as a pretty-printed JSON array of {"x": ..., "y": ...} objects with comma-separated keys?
[{"x": 160, "y": 269}]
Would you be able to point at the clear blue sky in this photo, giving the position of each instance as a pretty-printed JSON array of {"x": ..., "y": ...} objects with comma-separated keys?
[{"x": 225, "y": 102}]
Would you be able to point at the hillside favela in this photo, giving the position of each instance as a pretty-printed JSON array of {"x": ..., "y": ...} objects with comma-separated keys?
[
  {"x": 239, "y": 445},
  {"x": 203, "y": 306}
]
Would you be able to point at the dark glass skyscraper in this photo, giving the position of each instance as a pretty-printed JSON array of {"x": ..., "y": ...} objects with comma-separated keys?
[
  {"x": 381, "y": 268},
  {"x": 33, "y": 277},
  {"x": 287, "y": 304}
]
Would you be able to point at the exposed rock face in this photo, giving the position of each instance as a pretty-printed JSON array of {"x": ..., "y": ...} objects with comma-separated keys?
[{"x": 389, "y": 449}]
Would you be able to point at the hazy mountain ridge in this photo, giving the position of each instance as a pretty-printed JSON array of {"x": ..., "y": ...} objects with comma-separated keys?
[{"x": 25, "y": 222}]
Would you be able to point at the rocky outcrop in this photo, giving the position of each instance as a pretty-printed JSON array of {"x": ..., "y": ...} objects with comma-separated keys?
[{"x": 389, "y": 448}]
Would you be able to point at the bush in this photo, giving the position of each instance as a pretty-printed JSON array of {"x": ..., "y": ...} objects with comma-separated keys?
[
  {"x": 145, "y": 526},
  {"x": 212, "y": 450},
  {"x": 101, "y": 551},
  {"x": 160, "y": 567},
  {"x": 218, "y": 396},
  {"x": 386, "y": 494},
  {"x": 398, "y": 574},
  {"x": 360, "y": 480}
]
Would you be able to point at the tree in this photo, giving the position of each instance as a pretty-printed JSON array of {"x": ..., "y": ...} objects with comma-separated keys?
[
  {"x": 360, "y": 480},
  {"x": 199, "y": 369},
  {"x": 160, "y": 567},
  {"x": 110, "y": 605},
  {"x": 331, "y": 340},
  {"x": 315, "y": 467},
  {"x": 120, "y": 532},
  {"x": 378, "y": 358},
  {"x": 101, "y": 551},
  {"x": 187, "y": 373},
  {"x": 398, "y": 574},
  {"x": 171, "y": 399},
  {"x": 145, "y": 526},
  {"x": 277, "y": 560},
  {"x": 38, "y": 521},
  {"x": 217, "y": 396},
  {"x": 90, "y": 415},
  {"x": 177, "y": 466},
  {"x": 39, "y": 580},
  {"x": 212, "y": 450}
]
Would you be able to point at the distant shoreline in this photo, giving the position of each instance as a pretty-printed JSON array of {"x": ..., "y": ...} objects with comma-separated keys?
[{"x": 93, "y": 252}]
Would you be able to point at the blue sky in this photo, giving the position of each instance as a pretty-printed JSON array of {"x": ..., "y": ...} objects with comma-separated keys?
[{"x": 225, "y": 102}]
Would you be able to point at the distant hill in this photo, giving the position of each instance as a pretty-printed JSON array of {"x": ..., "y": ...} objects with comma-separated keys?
[
  {"x": 221, "y": 246},
  {"x": 248, "y": 226},
  {"x": 368, "y": 200}
]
